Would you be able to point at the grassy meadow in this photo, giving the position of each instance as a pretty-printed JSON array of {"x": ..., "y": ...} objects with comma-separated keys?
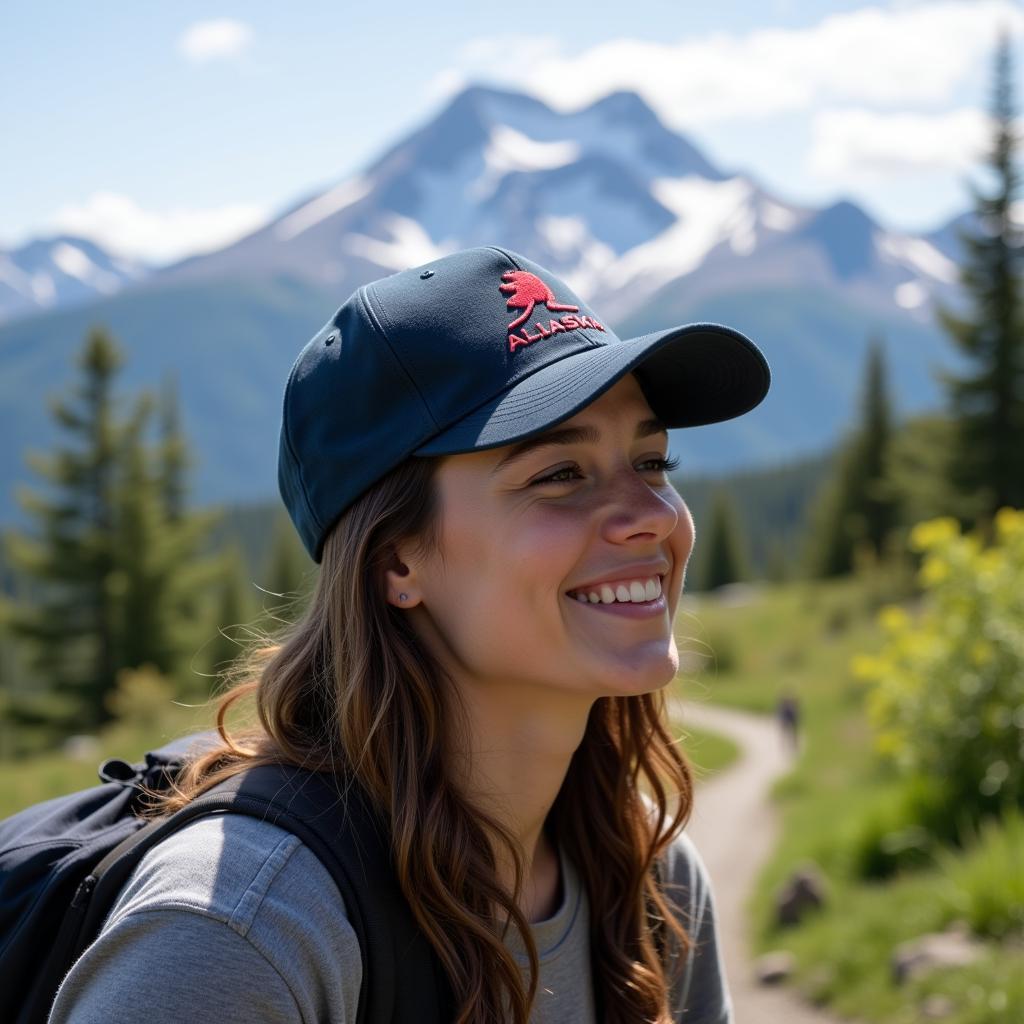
[
  {"x": 42, "y": 776},
  {"x": 744, "y": 647},
  {"x": 840, "y": 807}
]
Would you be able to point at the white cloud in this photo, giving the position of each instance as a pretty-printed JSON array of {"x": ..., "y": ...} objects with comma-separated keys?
[
  {"x": 864, "y": 145},
  {"x": 120, "y": 225},
  {"x": 445, "y": 84},
  {"x": 217, "y": 37},
  {"x": 479, "y": 56},
  {"x": 878, "y": 56}
]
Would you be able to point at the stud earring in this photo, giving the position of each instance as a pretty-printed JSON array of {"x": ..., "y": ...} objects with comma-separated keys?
[{"x": 403, "y": 597}]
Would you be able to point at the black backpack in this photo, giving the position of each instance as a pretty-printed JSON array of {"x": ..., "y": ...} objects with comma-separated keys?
[{"x": 63, "y": 863}]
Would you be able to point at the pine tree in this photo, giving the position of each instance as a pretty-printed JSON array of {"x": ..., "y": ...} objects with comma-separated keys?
[
  {"x": 987, "y": 463},
  {"x": 168, "y": 586},
  {"x": 234, "y": 610},
  {"x": 150, "y": 555},
  {"x": 832, "y": 533},
  {"x": 173, "y": 582},
  {"x": 71, "y": 631},
  {"x": 857, "y": 509},
  {"x": 724, "y": 560},
  {"x": 174, "y": 461},
  {"x": 878, "y": 504},
  {"x": 120, "y": 573},
  {"x": 288, "y": 565}
]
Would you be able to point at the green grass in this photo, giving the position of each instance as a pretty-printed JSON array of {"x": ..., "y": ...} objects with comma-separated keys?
[
  {"x": 799, "y": 638},
  {"x": 42, "y": 776},
  {"x": 709, "y": 752}
]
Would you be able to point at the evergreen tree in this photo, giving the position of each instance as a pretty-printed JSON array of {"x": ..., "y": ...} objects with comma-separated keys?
[
  {"x": 918, "y": 468},
  {"x": 878, "y": 504},
  {"x": 173, "y": 452},
  {"x": 288, "y": 564},
  {"x": 71, "y": 629},
  {"x": 724, "y": 560},
  {"x": 987, "y": 463},
  {"x": 831, "y": 534},
  {"x": 857, "y": 508},
  {"x": 120, "y": 573},
  {"x": 778, "y": 566},
  {"x": 153, "y": 553},
  {"x": 234, "y": 609},
  {"x": 172, "y": 587},
  {"x": 166, "y": 585}
]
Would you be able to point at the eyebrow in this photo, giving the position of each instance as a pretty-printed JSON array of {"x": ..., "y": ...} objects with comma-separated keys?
[{"x": 572, "y": 435}]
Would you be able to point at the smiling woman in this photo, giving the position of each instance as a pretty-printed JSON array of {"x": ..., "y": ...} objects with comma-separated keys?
[{"x": 482, "y": 665}]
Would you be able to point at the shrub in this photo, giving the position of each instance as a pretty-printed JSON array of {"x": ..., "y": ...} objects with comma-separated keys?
[
  {"x": 987, "y": 880},
  {"x": 947, "y": 697},
  {"x": 141, "y": 698},
  {"x": 900, "y": 829}
]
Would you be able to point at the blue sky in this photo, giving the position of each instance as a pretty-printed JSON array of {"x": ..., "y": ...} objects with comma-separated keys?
[{"x": 161, "y": 129}]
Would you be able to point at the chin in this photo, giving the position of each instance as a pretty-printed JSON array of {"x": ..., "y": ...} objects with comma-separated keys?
[{"x": 645, "y": 674}]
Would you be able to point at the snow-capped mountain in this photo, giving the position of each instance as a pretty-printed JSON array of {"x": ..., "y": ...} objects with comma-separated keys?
[
  {"x": 637, "y": 221},
  {"x": 607, "y": 196},
  {"x": 51, "y": 272}
]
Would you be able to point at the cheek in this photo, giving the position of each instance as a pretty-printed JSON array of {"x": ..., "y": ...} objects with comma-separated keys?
[
  {"x": 682, "y": 540},
  {"x": 507, "y": 572}
]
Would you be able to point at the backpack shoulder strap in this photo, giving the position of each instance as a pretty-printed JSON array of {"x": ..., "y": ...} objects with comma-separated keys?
[{"x": 402, "y": 977}]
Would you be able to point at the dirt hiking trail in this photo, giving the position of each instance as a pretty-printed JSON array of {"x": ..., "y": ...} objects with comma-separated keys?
[{"x": 735, "y": 826}]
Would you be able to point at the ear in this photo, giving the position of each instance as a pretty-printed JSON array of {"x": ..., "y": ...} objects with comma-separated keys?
[{"x": 400, "y": 582}]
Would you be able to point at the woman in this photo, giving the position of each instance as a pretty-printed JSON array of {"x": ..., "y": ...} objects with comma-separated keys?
[{"x": 479, "y": 464}]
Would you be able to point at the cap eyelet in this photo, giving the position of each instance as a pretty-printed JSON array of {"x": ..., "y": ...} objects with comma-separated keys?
[
  {"x": 426, "y": 274},
  {"x": 331, "y": 338}
]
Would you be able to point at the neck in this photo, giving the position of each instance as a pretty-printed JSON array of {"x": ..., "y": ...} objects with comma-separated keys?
[{"x": 520, "y": 743}]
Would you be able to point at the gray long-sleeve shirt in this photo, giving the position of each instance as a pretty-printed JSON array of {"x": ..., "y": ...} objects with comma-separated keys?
[{"x": 234, "y": 920}]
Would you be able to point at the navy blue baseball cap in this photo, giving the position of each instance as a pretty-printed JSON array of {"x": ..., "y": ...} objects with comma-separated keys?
[{"x": 475, "y": 350}]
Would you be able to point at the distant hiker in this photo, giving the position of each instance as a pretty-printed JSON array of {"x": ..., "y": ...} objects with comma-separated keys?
[{"x": 787, "y": 711}]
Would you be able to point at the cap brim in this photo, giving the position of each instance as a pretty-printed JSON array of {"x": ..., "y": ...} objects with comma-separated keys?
[{"x": 691, "y": 375}]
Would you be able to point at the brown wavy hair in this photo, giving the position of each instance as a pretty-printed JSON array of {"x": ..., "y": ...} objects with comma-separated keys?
[{"x": 346, "y": 688}]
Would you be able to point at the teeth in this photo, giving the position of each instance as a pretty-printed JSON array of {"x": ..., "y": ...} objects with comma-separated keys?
[{"x": 635, "y": 592}]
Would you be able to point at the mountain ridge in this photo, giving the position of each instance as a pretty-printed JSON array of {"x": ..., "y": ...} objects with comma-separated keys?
[{"x": 630, "y": 214}]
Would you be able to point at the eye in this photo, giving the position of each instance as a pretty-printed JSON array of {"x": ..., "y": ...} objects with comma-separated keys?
[
  {"x": 564, "y": 475},
  {"x": 660, "y": 465}
]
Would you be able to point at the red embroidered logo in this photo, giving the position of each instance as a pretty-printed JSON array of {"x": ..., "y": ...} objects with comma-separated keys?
[{"x": 526, "y": 291}]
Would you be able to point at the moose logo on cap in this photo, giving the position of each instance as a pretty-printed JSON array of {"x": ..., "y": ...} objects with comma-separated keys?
[{"x": 526, "y": 291}]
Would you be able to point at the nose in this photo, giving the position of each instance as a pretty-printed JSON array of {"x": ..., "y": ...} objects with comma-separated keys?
[{"x": 636, "y": 511}]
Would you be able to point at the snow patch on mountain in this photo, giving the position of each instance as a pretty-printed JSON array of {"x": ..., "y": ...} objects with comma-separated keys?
[
  {"x": 564, "y": 234},
  {"x": 508, "y": 150},
  {"x": 323, "y": 206},
  {"x": 620, "y": 126},
  {"x": 708, "y": 213},
  {"x": 408, "y": 246},
  {"x": 44, "y": 291},
  {"x": 586, "y": 257},
  {"x": 73, "y": 262},
  {"x": 921, "y": 255},
  {"x": 910, "y": 295},
  {"x": 743, "y": 234},
  {"x": 12, "y": 274},
  {"x": 776, "y": 217}
]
